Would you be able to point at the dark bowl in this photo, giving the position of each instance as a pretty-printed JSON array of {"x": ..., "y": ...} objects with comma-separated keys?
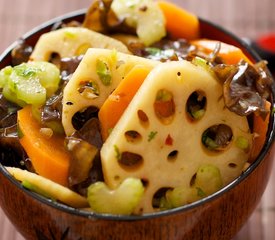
[{"x": 219, "y": 216}]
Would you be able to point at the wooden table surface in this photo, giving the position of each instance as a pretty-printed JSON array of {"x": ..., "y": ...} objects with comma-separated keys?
[{"x": 246, "y": 18}]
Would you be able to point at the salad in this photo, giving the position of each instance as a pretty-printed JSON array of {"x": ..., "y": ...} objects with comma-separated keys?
[{"x": 130, "y": 111}]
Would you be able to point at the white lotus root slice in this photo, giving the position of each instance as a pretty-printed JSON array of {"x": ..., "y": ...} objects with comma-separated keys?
[
  {"x": 166, "y": 153},
  {"x": 97, "y": 75},
  {"x": 72, "y": 41}
]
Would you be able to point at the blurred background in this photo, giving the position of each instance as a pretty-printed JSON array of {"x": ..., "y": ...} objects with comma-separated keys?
[{"x": 246, "y": 18}]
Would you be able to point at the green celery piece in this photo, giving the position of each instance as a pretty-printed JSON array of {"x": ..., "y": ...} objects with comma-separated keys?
[
  {"x": 209, "y": 142},
  {"x": 28, "y": 90},
  {"x": 180, "y": 196},
  {"x": 165, "y": 204},
  {"x": 208, "y": 179},
  {"x": 242, "y": 143},
  {"x": 4, "y": 75},
  {"x": 198, "y": 114},
  {"x": 30, "y": 83},
  {"x": 120, "y": 201},
  {"x": 48, "y": 74},
  {"x": 12, "y": 97}
]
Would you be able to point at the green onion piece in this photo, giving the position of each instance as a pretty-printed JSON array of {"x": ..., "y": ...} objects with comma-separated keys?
[{"x": 103, "y": 72}]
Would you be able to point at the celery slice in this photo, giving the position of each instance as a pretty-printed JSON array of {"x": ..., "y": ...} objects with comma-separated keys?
[
  {"x": 29, "y": 83},
  {"x": 28, "y": 90},
  {"x": 4, "y": 75},
  {"x": 122, "y": 200},
  {"x": 208, "y": 179},
  {"x": 48, "y": 74}
]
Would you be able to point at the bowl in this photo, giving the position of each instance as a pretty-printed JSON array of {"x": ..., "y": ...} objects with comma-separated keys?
[
  {"x": 264, "y": 45},
  {"x": 219, "y": 216}
]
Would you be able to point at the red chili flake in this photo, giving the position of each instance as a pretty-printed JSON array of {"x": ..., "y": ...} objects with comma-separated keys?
[{"x": 169, "y": 140}]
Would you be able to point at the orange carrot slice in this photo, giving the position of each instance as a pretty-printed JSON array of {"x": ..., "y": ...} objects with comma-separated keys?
[
  {"x": 229, "y": 53},
  {"x": 47, "y": 153},
  {"x": 179, "y": 22},
  {"x": 260, "y": 127},
  {"x": 117, "y": 102}
]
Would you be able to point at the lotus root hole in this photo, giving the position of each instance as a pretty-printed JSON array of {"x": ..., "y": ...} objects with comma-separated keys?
[
  {"x": 164, "y": 106},
  {"x": 133, "y": 136},
  {"x": 143, "y": 118},
  {"x": 158, "y": 196},
  {"x": 196, "y": 106},
  {"x": 217, "y": 138},
  {"x": 172, "y": 156},
  {"x": 130, "y": 161}
]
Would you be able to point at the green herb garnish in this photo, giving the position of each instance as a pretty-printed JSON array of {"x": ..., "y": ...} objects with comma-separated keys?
[
  {"x": 200, "y": 192},
  {"x": 152, "y": 135}
]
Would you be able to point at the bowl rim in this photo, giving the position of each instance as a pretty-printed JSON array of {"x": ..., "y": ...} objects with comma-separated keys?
[{"x": 146, "y": 216}]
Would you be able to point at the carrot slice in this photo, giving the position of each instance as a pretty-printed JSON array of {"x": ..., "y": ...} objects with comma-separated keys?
[
  {"x": 47, "y": 153},
  {"x": 117, "y": 102},
  {"x": 260, "y": 127},
  {"x": 229, "y": 53},
  {"x": 179, "y": 22}
]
